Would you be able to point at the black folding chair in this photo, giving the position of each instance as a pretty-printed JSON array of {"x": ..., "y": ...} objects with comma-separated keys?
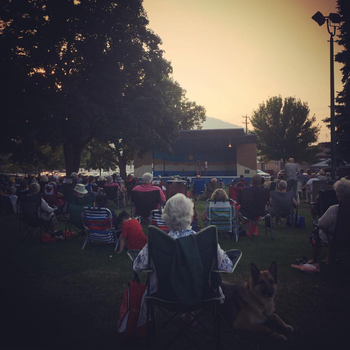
[
  {"x": 253, "y": 207},
  {"x": 339, "y": 240},
  {"x": 144, "y": 203},
  {"x": 30, "y": 224},
  {"x": 192, "y": 286},
  {"x": 326, "y": 199},
  {"x": 174, "y": 187},
  {"x": 282, "y": 207}
]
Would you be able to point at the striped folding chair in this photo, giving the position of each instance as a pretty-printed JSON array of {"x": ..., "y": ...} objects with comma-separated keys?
[{"x": 99, "y": 225}]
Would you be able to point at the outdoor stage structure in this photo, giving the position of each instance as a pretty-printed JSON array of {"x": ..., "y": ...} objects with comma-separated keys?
[{"x": 228, "y": 152}]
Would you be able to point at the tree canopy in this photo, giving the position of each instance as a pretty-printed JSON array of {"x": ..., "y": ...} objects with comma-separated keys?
[
  {"x": 284, "y": 129},
  {"x": 75, "y": 70},
  {"x": 342, "y": 119}
]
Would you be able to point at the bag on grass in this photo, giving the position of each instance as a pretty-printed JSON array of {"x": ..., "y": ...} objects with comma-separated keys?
[{"x": 130, "y": 310}]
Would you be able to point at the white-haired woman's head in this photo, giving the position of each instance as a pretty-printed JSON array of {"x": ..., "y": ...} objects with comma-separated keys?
[
  {"x": 178, "y": 212},
  {"x": 342, "y": 189},
  {"x": 147, "y": 178}
]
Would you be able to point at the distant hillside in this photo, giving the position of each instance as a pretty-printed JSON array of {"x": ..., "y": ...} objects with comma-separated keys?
[{"x": 213, "y": 123}]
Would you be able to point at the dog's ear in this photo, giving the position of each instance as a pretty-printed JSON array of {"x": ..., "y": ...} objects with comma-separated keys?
[
  {"x": 273, "y": 270},
  {"x": 254, "y": 272}
]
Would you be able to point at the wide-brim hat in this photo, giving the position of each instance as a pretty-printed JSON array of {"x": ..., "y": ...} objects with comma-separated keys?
[
  {"x": 80, "y": 188},
  {"x": 119, "y": 179}
]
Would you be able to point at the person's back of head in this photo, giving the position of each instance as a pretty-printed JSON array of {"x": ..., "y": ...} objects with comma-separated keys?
[
  {"x": 282, "y": 186},
  {"x": 124, "y": 215},
  {"x": 342, "y": 189},
  {"x": 257, "y": 180},
  {"x": 178, "y": 212},
  {"x": 34, "y": 188},
  {"x": 219, "y": 195},
  {"x": 147, "y": 178},
  {"x": 101, "y": 200}
]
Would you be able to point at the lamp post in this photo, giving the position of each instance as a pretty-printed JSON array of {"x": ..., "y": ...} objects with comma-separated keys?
[{"x": 333, "y": 21}]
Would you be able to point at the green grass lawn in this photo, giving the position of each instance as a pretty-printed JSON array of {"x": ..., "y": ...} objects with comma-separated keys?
[{"x": 57, "y": 295}]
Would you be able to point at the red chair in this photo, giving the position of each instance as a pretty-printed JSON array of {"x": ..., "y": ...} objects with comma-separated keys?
[{"x": 233, "y": 192}]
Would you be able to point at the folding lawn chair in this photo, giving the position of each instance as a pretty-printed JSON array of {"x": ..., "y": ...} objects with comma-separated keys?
[
  {"x": 144, "y": 203},
  {"x": 223, "y": 214},
  {"x": 72, "y": 212},
  {"x": 233, "y": 192},
  {"x": 282, "y": 207},
  {"x": 339, "y": 240},
  {"x": 192, "y": 285},
  {"x": 156, "y": 220},
  {"x": 99, "y": 225},
  {"x": 174, "y": 187},
  {"x": 30, "y": 224},
  {"x": 68, "y": 185},
  {"x": 326, "y": 199},
  {"x": 6, "y": 206},
  {"x": 253, "y": 206}
]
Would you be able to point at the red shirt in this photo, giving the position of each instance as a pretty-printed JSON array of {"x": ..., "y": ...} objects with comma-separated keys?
[
  {"x": 132, "y": 231},
  {"x": 149, "y": 187}
]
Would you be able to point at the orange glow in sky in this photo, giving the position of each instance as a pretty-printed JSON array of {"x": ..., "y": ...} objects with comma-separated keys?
[{"x": 232, "y": 55}]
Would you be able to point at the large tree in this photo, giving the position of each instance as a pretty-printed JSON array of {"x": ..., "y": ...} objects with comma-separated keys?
[
  {"x": 284, "y": 129},
  {"x": 155, "y": 123},
  {"x": 73, "y": 70},
  {"x": 342, "y": 119}
]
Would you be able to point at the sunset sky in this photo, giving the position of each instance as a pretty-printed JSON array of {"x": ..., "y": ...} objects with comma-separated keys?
[{"x": 232, "y": 55}]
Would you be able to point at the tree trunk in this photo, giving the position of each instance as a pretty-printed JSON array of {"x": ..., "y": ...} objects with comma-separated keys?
[
  {"x": 122, "y": 166},
  {"x": 72, "y": 155}
]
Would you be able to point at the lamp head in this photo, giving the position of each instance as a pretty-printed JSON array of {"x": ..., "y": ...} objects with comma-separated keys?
[
  {"x": 335, "y": 18},
  {"x": 319, "y": 18}
]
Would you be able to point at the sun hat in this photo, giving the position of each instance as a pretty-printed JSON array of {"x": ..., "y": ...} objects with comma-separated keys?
[
  {"x": 80, "y": 188},
  {"x": 119, "y": 179}
]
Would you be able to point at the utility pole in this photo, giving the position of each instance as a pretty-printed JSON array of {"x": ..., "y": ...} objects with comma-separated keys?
[{"x": 246, "y": 123}]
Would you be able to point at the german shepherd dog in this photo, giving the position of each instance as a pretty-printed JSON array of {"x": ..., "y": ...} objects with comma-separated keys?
[{"x": 250, "y": 305}]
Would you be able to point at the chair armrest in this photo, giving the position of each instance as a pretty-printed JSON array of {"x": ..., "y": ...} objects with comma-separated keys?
[
  {"x": 133, "y": 253},
  {"x": 234, "y": 255}
]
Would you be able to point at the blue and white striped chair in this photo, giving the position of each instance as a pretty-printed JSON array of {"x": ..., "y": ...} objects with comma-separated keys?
[
  {"x": 223, "y": 214},
  {"x": 99, "y": 225}
]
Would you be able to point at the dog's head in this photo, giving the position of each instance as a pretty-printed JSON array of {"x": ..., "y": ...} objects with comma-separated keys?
[{"x": 264, "y": 282}]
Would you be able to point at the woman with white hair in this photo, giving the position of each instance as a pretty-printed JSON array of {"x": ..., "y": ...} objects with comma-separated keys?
[
  {"x": 177, "y": 214},
  {"x": 329, "y": 218}
]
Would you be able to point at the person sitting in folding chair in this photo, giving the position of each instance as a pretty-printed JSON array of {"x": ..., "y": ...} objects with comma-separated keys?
[
  {"x": 219, "y": 195},
  {"x": 101, "y": 201},
  {"x": 282, "y": 202},
  {"x": 221, "y": 211},
  {"x": 147, "y": 186},
  {"x": 45, "y": 212},
  {"x": 327, "y": 224},
  {"x": 256, "y": 185},
  {"x": 177, "y": 214}
]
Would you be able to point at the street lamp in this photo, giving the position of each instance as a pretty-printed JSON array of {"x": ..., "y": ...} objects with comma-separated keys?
[{"x": 333, "y": 21}]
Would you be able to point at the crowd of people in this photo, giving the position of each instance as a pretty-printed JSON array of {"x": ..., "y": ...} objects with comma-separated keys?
[{"x": 179, "y": 211}]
